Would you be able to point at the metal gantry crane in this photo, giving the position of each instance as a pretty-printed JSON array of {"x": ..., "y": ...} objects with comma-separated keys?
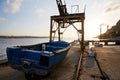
[{"x": 59, "y": 23}]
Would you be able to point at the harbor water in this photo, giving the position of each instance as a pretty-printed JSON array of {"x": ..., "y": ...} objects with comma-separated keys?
[{"x": 9, "y": 42}]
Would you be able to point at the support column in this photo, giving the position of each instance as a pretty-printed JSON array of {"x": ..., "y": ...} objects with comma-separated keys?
[
  {"x": 58, "y": 31},
  {"x": 51, "y": 27},
  {"x": 82, "y": 40},
  {"x": 106, "y": 43}
]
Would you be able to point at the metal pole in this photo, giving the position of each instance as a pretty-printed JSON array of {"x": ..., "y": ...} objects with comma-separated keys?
[
  {"x": 51, "y": 26},
  {"x": 82, "y": 41},
  {"x": 100, "y": 32},
  {"x": 107, "y": 27},
  {"x": 58, "y": 31}
]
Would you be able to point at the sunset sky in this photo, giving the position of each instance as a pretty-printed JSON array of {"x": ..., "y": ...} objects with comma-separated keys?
[{"x": 32, "y": 17}]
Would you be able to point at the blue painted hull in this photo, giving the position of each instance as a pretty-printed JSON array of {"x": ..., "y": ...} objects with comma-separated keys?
[{"x": 38, "y": 59}]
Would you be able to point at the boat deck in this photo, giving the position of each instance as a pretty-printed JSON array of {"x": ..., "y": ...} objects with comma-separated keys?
[{"x": 63, "y": 71}]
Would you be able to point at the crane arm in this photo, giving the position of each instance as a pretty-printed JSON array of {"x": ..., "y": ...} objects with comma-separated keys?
[{"x": 62, "y": 8}]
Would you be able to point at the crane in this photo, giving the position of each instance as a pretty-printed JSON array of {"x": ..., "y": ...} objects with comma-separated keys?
[
  {"x": 64, "y": 20},
  {"x": 62, "y": 8}
]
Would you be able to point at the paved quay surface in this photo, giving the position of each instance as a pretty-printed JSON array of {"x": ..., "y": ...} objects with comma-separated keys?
[
  {"x": 109, "y": 58},
  {"x": 109, "y": 61},
  {"x": 63, "y": 71}
]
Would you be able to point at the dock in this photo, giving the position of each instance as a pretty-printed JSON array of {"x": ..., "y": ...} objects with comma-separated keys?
[
  {"x": 77, "y": 65},
  {"x": 65, "y": 70},
  {"x": 104, "y": 66}
]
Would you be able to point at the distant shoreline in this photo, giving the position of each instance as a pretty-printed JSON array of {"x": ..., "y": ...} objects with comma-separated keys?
[{"x": 24, "y": 36}]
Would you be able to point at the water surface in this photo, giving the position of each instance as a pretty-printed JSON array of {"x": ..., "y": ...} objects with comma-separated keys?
[{"x": 9, "y": 42}]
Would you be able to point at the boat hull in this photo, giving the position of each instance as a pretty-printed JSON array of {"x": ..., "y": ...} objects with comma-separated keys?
[{"x": 35, "y": 60}]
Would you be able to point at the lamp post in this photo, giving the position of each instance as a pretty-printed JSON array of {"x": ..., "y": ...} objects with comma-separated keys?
[
  {"x": 101, "y": 29},
  {"x": 106, "y": 31}
]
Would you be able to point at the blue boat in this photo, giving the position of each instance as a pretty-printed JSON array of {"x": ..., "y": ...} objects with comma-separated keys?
[{"x": 37, "y": 59}]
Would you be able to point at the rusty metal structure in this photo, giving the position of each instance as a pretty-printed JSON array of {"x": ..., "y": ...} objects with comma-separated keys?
[{"x": 59, "y": 23}]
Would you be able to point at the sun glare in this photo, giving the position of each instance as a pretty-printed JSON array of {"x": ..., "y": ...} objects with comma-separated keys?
[{"x": 93, "y": 27}]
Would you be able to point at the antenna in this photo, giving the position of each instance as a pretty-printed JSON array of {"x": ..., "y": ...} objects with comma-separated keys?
[{"x": 84, "y": 8}]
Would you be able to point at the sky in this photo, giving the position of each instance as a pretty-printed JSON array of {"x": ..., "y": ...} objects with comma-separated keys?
[{"x": 32, "y": 17}]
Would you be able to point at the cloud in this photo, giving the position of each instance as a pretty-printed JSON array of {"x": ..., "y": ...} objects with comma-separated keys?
[
  {"x": 113, "y": 5},
  {"x": 39, "y": 11},
  {"x": 13, "y": 6},
  {"x": 112, "y": 9},
  {"x": 2, "y": 19},
  {"x": 7, "y": 1}
]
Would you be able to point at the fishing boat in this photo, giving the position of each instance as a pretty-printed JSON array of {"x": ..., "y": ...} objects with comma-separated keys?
[{"x": 37, "y": 59}]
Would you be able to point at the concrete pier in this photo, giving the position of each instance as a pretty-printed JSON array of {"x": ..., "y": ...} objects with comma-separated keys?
[{"x": 108, "y": 58}]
